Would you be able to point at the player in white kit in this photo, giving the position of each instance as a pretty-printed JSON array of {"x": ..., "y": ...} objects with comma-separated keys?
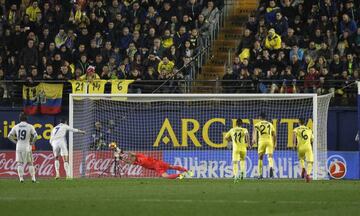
[
  {"x": 59, "y": 145},
  {"x": 24, "y": 135}
]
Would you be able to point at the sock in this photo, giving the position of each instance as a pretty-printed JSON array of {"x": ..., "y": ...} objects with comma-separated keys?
[
  {"x": 32, "y": 172},
  {"x": 66, "y": 168},
  {"x": 271, "y": 162},
  {"x": 179, "y": 168},
  {"x": 260, "y": 166},
  {"x": 20, "y": 169},
  {"x": 309, "y": 167},
  {"x": 242, "y": 167},
  {"x": 172, "y": 176},
  {"x": 57, "y": 167},
  {"x": 302, "y": 164},
  {"x": 235, "y": 169}
]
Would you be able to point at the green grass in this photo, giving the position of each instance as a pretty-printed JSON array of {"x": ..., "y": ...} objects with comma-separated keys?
[{"x": 187, "y": 197}]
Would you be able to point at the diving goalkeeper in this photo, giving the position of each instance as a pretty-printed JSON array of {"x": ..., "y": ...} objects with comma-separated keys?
[{"x": 159, "y": 166}]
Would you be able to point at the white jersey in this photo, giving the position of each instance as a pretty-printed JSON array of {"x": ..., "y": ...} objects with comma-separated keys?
[
  {"x": 24, "y": 133},
  {"x": 58, "y": 133}
]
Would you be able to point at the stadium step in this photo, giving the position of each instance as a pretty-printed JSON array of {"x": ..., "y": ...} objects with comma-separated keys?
[{"x": 225, "y": 45}]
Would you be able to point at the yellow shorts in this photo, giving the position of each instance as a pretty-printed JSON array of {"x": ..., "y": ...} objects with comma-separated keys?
[
  {"x": 238, "y": 155},
  {"x": 266, "y": 148},
  {"x": 306, "y": 154}
]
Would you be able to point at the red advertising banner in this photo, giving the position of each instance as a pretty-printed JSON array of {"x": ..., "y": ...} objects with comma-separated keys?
[
  {"x": 94, "y": 164},
  {"x": 101, "y": 163},
  {"x": 43, "y": 162}
]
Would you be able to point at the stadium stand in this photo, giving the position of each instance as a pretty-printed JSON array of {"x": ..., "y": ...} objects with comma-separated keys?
[
  {"x": 200, "y": 46},
  {"x": 297, "y": 46}
]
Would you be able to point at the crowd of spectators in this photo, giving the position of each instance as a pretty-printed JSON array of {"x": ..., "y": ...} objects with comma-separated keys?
[
  {"x": 124, "y": 39},
  {"x": 288, "y": 46}
]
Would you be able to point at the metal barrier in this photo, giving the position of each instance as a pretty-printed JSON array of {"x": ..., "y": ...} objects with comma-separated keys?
[{"x": 345, "y": 94}]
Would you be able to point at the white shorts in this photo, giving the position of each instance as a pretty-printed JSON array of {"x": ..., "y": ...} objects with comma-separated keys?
[
  {"x": 59, "y": 148},
  {"x": 24, "y": 157}
]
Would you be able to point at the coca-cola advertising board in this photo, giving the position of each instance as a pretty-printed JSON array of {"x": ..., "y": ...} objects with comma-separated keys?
[
  {"x": 43, "y": 162},
  {"x": 101, "y": 163},
  {"x": 89, "y": 164}
]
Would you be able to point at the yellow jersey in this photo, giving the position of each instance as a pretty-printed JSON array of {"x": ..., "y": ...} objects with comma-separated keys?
[
  {"x": 265, "y": 131},
  {"x": 238, "y": 135},
  {"x": 304, "y": 136}
]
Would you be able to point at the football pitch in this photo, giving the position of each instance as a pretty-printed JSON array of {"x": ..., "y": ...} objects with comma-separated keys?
[{"x": 179, "y": 197}]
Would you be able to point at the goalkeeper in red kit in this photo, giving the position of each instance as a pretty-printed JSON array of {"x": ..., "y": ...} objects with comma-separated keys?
[{"x": 159, "y": 166}]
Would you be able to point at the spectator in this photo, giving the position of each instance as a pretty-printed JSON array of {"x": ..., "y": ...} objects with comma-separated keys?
[
  {"x": 336, "y": 66},
  {"x": 229, "y": 83},
  {"x": 32, "y": 11},
  {"x": 271, "y": 9},
  {"x": 167, "y": 39},
  {"x": 82, "y": 64},
  {"x": 236, "y": 66},
  {"x": 29, "y": 55},
  {"x": 211, "y": 12},
  {"x": 251, "y": 24},
  {"x": 317, "y": 38},
  {"x": 90, "y": 74},
  {"x": 310, "y": 81},
  {"x": 151, "y": 76},
  {"x": 105, "y": 73},
  {"x": 280, "y": 25},
  {"x": 203, "y": 27},
  {"x": 288, "y": 10},
  {"x": 325, "y": 85},
  {"x": 246, "y": 42},
  {"x": 165, "y": 66},
  {"x": 290, "y": 39},
  {"x": 49, "y": 73},
  {"x": 157, "y": 48},
  {"x": 295, "y": 64},
  {"x": 256, "y": 51},
  {"x": 350, "y": 64},
  {"x": 321, "y": 63},
  {"x": 328, "y": 8},
  {"x": 324, "y": 51},
  {"x": 174, "y": 55},
  {"x": 347, "y": 24},
  {"x": 296, "y": 51},
  {"x": 311, "y": 51},
  {"x": 61, "y": 37},
  {"x": 192, "y": 9},
  {"x": 273, "y": 40},
  {"x": 34, "y": 75},
  {"x": 65, "y": 73}
]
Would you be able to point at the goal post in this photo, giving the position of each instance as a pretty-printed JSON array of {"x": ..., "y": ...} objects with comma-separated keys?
[{"x": 188, "y": 130}]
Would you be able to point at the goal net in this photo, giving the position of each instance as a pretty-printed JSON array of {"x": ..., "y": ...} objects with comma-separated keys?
[{"x": 189, "y": 130}]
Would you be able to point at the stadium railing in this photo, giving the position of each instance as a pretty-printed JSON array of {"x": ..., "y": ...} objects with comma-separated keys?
[{"x": 12, "y": 96}]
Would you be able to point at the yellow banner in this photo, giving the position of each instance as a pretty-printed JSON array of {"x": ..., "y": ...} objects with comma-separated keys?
[
  {"x": 120, "y": 86},
  {"x": 97, "y": 87},
  {"x": 78, "y": 87},
  {"x": 29, "y": 93}
]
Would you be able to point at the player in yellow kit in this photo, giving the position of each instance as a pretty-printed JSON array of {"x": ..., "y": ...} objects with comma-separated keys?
[
  {"x": 303, "y": 138},
  {"x": 265, "y": 136},
  {"x": 240, "y": 141}
]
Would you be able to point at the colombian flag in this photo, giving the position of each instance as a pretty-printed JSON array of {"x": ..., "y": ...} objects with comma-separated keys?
[
  {"x": 45, "y": 98},
  {"x": 50, "y": 98}
]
